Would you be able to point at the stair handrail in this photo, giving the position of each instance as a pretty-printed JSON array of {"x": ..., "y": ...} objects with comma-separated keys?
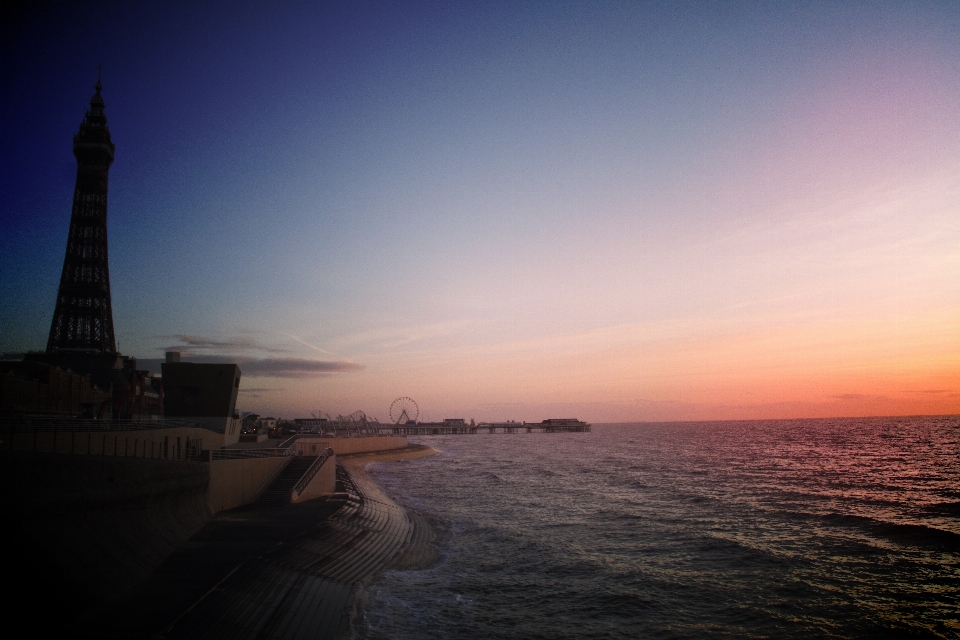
[{"x": 312, "y": 471}]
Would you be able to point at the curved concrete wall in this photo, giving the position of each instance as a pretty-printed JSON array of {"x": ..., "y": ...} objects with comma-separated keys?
[
  {"x": 79, "y": 530},
  {"x": 314, "y": 445}
]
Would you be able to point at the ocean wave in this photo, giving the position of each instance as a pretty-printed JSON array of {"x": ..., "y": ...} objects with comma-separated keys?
[
  {"x": 790, "y": 529},
  {"x": 950, "y": 509},
  {"x": 919, "y": 535}
]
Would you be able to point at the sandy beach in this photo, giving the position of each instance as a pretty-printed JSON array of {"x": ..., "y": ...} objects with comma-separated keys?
[
  {"x": 411, "y": 452},
  {"x": 357, "y": 463}
]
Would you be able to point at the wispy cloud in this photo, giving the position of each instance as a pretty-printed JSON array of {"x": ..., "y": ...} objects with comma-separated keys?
[
  {"x": 204, "y": 349},
  {"x": 393, "y": 337},
  {"x": 858, "y": 397},
  {"x": 950, "y": 393},
  {"x": 267, "y": 367},
  {"x": 254, "y": 392},
  {"x": 193, "y": 344},
  {"x": 307, "y": 344},
  {"x": 295, "y": 367}
]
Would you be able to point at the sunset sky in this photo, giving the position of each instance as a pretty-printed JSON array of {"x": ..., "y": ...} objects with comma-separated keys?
[{"x": 613, "y": 211}]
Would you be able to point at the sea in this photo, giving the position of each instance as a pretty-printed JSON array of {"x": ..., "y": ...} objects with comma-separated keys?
[{"x": 833, "y": 528}]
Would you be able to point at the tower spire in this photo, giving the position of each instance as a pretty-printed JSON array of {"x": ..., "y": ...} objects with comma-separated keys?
[{"x": 83, "y": 317}]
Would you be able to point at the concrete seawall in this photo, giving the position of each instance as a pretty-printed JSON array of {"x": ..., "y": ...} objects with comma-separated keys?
[
  {"x": 81, "y": 529},
  {"x": 303, "y": 588},
  {"x": 234, "y": 483},
  {"x": 78, "y": 529}
]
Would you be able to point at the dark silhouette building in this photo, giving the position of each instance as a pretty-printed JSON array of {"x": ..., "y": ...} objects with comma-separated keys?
[
  {"x": 81, "y": 373},
  {"x": 83, "y": 318},
  {"x": 202, "y": 392}
]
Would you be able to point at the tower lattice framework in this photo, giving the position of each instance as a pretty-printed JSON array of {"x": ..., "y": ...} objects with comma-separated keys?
[{"x": 83, "y": 318}]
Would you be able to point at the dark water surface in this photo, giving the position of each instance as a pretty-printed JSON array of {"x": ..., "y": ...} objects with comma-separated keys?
[{"x": 806, "y": 528}]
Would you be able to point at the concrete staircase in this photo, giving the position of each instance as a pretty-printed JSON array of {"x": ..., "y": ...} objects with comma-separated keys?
[{"x": 279, "y": 490}]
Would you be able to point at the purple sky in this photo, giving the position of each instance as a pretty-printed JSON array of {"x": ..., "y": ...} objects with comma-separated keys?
[{"x": 621, "y": 211}]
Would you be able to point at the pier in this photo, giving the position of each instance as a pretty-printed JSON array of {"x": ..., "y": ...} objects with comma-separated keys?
[{"x": 460, "y": 427}]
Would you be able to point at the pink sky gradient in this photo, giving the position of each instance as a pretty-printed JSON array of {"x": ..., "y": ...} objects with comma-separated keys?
[{"x": 627, "y": 213}]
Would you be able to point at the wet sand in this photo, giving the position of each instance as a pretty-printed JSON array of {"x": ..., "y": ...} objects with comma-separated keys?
[{"x": 411, "y": 452}]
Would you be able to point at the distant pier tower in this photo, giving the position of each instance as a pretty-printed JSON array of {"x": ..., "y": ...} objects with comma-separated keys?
[{"x": 83, "y": 318}]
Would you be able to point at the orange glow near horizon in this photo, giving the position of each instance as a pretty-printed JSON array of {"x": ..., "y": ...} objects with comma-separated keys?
[{"x": 820, "y": 370}]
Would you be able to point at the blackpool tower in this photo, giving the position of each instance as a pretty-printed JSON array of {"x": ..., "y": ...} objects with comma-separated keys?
[{"x": 83, "y": 318}]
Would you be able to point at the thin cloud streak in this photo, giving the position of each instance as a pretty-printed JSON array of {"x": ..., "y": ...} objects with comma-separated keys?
[
  {"x": 307, "y": 344},
  {"x": 295, "y": 367},
  {"x": 200, "y": 343},
  {"x": 266, "y": 367},
  {"x": 391, "y": 338}
]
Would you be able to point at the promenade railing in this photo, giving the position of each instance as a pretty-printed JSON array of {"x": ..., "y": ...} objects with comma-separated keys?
[
  {"x": 244, "y": 454},
  {"x": 124, "y": 438},
  {"x": 46, "y": 425}
]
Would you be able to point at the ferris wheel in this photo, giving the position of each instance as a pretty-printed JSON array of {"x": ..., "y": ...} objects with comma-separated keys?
[{"x": 403, "y": 410}]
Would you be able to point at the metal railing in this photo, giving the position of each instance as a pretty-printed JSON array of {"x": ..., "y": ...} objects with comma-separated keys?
[
  {"x": 243, "y": 454},
  {"x": 356, "y": 425},
  {"x": 124, "y": 438},
  {"x": 289, "y": 442},
  {"x": 70, "y": 424},
  {"x": 309, "y": 474},
  {"x": 137, "y": 444}
]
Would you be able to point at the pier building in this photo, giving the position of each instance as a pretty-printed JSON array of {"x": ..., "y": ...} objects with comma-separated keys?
[{"x": 460, "y": 427}]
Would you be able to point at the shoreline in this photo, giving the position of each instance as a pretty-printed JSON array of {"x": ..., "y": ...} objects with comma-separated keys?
[
  {"x": 412, "y": 451},
  {"x": 420, "y": 550}
]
